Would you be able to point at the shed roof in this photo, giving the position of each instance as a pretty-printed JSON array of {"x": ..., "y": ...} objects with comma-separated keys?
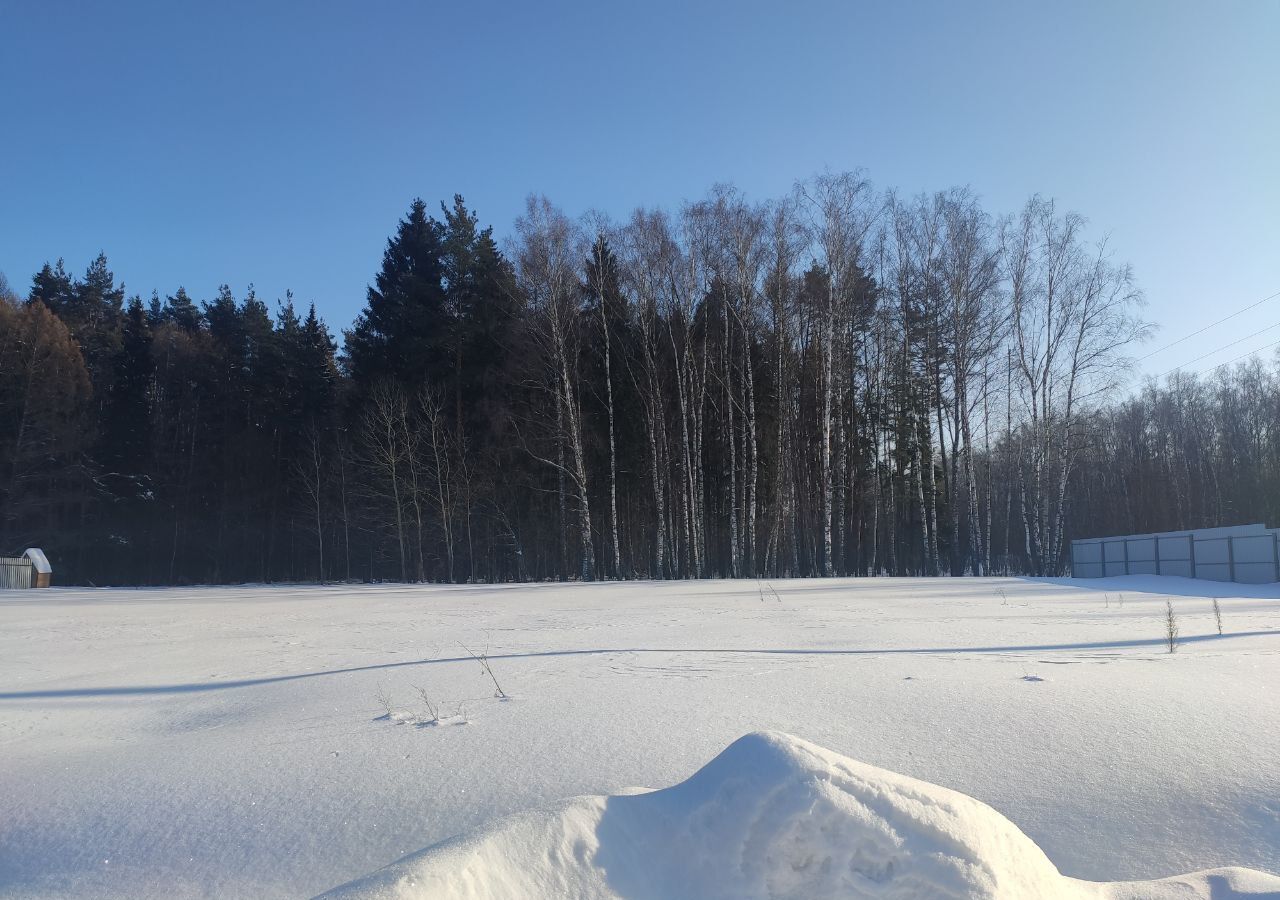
[{"x": 39, "y": 560}]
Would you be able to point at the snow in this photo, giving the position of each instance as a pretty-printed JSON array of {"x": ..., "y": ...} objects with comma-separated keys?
[
  {"x": 38, "y": 560},
  {"x": 231, "y": 741},
  {"x": 773, "y": 817}
]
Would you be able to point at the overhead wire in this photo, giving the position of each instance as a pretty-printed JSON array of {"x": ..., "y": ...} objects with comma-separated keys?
[
  {"x": 1240, "y": 357},
  {"x": 1220, "y": 349},
  {"x": 1207, "y": 327}
]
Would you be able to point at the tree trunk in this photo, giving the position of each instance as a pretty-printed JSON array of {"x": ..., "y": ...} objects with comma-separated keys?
[{"x": 613, "y": 449}]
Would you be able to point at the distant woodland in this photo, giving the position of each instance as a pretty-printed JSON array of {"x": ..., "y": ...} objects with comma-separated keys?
[{"x": 843, "y": 381}]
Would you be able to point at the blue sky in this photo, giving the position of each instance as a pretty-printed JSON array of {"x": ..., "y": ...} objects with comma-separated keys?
[{"x": 279, "y": 143}]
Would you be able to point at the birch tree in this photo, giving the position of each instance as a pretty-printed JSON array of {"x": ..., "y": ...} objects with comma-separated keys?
[
  {"x": 841, "y": 210},
  {"x": 385, "y": 457},
  {"x": 784, "y": 244},
  {"x": 599, "y": 278},
  {"x": 650, "y": 262},
  {"x": 974, "y": 320},
  {"x": 548, "y": 248},
  {"x": 1073, "y": 313}
]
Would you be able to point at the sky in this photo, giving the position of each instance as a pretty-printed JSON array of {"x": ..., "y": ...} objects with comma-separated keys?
[{"x": 279, "y": 144}]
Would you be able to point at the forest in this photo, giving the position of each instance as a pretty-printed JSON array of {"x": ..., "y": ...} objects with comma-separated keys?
[{"x": 842, "y": 381}]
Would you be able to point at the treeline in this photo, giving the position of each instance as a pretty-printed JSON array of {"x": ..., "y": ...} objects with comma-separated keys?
[
  {"x": 159, "y": 443},
  {"x": 1190, "y": 453},
  {"x": 842, "y": 381}
]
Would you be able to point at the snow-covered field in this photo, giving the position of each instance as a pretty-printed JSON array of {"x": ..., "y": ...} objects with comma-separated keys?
[{"x": 234, "y": 742}]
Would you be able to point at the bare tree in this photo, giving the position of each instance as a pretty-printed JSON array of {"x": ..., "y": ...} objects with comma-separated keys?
[
  {"x": 976, "y": 320},
  {"x": 689, "y": 284},
  {"x": 1073, "y": 313},
  {"x": 597, "y": 278},
  {"x": 784, "y": 245},
  {"x": 744, "y": 255},
  {"x": 432, "y": 405},
  {"x": 415, "y": 484},
  {"x": 309, "y": 469},
  {"x": 548, "y": 248},
  {"x": 385, "y": 456},
  {"x": 912, "y": 240},
  {"x": 649, "y": 256},
  {"x": 841, "y": 209}
]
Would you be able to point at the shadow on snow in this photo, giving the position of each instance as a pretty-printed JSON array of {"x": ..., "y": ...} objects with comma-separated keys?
[{"x": 202, "y": 687}]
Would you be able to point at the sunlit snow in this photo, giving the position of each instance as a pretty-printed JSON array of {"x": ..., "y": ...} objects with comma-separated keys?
[{"x": 279, "y": 741}]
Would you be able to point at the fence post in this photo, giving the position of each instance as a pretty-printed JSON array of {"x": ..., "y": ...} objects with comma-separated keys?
[
  {"x": 1126, "y": 556},
  {"x": 1231, "y": 559},
  {"x": 1157, "y": 542},
  {"x": 1191, "y": 546}
]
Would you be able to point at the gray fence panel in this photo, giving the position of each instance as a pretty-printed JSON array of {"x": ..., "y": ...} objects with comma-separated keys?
[
  {"x": 1141, "y": 550},
  {"x": 1087, "y": 553},
  {"x": 1113, "y": 557},
  {"x": 1142, "y": 557},
  {"x": 16, "y": 572},
  {"x": 1174, "y": 549},
  {"x": 1255, "y": 572},
  {"x": 1248, "y": 554},
  {"x": 1211, "y": 552},
  {"x": 1213, "y": 571},
  {"x": 1254, "y": 549}
]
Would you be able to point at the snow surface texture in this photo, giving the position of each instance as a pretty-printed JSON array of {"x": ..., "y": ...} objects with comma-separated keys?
[
  {"x": 234, "y": 742},
  {"x": 771, "y": 818}
]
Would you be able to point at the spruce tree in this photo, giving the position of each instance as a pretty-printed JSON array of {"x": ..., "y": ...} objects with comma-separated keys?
[
  {"x": 317, "y": 370},
  {"x": 403, "y": 331},
  {"x": 125, "y": 434},
  {"x": 483, "y": 307},
  {"x": 155, "y": 310}
]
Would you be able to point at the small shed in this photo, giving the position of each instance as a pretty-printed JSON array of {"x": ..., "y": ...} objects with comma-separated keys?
[{"x": 30, "y": 570}]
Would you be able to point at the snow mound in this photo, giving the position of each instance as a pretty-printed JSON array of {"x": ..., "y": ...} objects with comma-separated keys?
[{"x": 772, "y": 817}]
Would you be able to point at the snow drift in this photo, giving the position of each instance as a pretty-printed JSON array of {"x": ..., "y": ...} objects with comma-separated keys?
[{"x": 772, "y": 817}]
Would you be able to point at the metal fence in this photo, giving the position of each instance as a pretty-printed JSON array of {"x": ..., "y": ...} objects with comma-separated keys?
[
  {"x": 17, "y": 572},
  {"x": 1249, "y": 554}
]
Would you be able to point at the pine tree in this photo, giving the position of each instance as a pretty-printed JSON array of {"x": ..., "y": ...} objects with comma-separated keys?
[
  {"x": 96, "y": 300},
  {"x": 181, "y": 311},
  {"x": 94, "y": 316},
  {"x": 53, "y": 287}
]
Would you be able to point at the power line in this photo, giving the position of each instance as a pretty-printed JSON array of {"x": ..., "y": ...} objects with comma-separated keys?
[
  {"x": 1241, "y": 356},
  {"x": 1207, "y": 327},
  {"x": 1236, "y": 359},
  {"x": 1223, "y": 347}
]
